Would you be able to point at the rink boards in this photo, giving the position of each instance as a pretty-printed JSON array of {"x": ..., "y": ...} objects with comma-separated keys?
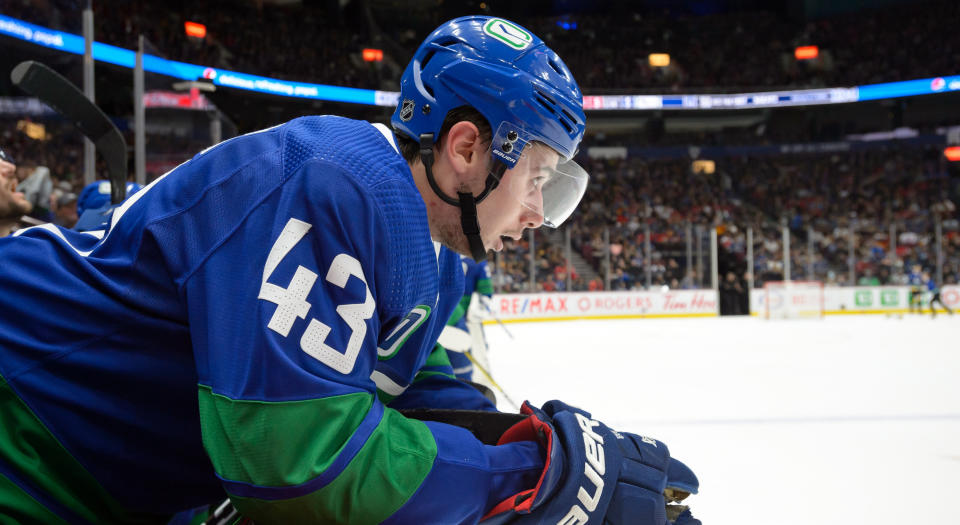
[
  {"x": 866, "y": 300},
  {"x": 554, "y": 306}
]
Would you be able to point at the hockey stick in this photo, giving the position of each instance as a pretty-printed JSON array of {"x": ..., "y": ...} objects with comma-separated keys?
[
  {"x": 61, "y": 95},
  {"x": 495, "y": 318},
  {"x": 486, "y": 373}
]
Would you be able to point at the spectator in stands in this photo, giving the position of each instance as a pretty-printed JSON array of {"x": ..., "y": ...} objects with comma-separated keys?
[
  {"x": 36, "y": 186},
  {"x": 63, "y": 203},
  {"x": 13, "y": 205}
]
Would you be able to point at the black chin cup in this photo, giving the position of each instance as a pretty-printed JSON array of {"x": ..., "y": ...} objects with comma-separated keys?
[{"x": 466, "y": 201}]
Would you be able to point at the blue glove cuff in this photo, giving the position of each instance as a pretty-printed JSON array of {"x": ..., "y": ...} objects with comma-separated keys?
[{"x": 592, "y": 473}]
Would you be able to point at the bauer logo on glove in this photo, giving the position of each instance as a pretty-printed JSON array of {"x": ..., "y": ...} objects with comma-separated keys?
[{"x": 593, "y": 474}]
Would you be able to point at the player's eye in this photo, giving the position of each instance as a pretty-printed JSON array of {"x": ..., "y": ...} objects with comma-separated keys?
[{"x": 541, "y": 178}]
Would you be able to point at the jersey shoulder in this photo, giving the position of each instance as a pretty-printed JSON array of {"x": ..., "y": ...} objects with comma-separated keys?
[
  {"x": 360, "y": 151},
  {"x": 356, "y": 147}
]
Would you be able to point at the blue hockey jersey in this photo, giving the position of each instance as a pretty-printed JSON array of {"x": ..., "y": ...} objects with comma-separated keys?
[
  {"x": 246, "y": 324},
  {"x": 476, "y": 277}
]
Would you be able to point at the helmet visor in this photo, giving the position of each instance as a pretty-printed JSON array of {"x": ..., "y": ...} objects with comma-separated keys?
[{"x": 546, "y": 184}]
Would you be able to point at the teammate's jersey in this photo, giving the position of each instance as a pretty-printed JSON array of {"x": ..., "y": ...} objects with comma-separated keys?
[
  {"x": 915, "y": 280},
  {"x": 242, "y": 326},
  {"x": 932, "y": 286},
  {"x": 476, "y": 278}
]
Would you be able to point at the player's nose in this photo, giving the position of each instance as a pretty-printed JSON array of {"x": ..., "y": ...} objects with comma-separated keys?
[{"x": 531, "y": 219}]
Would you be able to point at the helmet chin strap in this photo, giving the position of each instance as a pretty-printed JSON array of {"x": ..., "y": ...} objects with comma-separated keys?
[
  {"x": 470, "y": 226},
  {"x": 465, "y": 201}
]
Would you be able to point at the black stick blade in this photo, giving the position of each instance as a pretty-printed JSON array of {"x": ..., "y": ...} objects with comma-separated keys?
[{"x": 60, "y": 94}]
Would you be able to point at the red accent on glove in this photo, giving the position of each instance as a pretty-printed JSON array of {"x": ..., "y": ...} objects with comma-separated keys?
[{"x": 530, "y": 429}]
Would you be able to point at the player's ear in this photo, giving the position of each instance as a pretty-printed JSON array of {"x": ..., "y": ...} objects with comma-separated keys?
[{"x": 465, "y": 149}]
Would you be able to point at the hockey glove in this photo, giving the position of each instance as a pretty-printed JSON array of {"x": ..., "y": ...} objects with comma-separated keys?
[
  {"x": 594, "y": 474},
  {"x": 681, "y": 482}
]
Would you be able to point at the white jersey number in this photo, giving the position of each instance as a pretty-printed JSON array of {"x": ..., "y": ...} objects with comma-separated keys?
[{"x": 292, "y": 301}]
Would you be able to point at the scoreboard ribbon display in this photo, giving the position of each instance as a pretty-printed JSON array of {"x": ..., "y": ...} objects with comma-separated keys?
[{"x": 71, "y": 43}]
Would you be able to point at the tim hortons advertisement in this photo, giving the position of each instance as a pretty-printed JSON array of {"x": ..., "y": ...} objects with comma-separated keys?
[{"x": 593, "y": 305}]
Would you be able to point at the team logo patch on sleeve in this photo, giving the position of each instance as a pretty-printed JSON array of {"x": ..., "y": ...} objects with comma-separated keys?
[
  {"x": 508, "y": 33},
  {"x": 404, "y": 329}
]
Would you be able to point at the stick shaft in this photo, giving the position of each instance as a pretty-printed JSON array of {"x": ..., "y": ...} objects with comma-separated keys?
[{"x": 60, "y": 94}]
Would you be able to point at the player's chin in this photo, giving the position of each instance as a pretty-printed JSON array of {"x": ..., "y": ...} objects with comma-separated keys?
[{"x": 496, "y": 245}]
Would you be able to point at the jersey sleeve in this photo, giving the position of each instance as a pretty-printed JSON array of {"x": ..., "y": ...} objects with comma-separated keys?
[
  {"x": 285, "y": 322},
  {"x": 484, "y": 283},
  {"x": 435, "y": 386},
  {"x": 459, "y": 311}
]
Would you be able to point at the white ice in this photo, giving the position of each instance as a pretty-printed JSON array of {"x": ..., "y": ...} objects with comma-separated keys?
[{"x": 849, "y": 420}]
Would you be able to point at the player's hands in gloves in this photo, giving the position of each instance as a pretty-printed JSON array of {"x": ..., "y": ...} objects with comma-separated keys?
[
  {"x": 595, "y": 474},
  {"x": 681, "y": 482}
]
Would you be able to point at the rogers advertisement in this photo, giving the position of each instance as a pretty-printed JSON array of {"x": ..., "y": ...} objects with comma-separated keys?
[{"x": 587, "y": 305}]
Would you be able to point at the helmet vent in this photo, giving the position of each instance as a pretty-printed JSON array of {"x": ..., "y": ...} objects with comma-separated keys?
[
  {"x": 556, "y": 67},
  {"x": 550, "y": 106},
  {"x": 546, "y": 98},
  {"x": 426, "y": 58},
  {"x": 430, "y": 53}
]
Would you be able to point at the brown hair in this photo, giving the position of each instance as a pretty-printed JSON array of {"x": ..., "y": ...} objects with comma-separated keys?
[{"x": 410, "y": 148}]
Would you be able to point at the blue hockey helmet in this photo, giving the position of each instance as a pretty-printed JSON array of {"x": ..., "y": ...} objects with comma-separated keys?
[
  {"x": 510, "y": 76},
  {"x": 94, "y": 208},
  {"x": 96, "y": 195},
  {"x": 526, "y": 93}
]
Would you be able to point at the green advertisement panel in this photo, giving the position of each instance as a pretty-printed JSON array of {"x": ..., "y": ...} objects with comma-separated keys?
[{"x": 890, "y": 298}]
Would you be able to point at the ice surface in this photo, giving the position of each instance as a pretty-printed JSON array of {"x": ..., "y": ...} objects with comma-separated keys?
[{"x": 847, "y": 420}]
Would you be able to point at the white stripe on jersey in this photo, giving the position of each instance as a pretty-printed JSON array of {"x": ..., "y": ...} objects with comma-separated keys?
[{"x": 386, "y": 384}]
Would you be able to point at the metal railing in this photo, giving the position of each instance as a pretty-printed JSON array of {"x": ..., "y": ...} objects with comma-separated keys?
[{"x": 691, "y": 256}]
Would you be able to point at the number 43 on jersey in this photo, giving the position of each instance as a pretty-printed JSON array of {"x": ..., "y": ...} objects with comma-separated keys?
[{"x": 292, "y": 301}]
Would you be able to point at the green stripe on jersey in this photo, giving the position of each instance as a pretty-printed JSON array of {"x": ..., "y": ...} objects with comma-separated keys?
[
  {"x": 30, "y": 448},
  {"x": 383, "y": 475},
  {"x": 459, "y": 311},
  {"x": 484, "y": 286},
  {"x": 269, "y": 443},
  {"x": 438, "y": 356},
  {"x": 288, "y": 443},
  {"x": 17, "y": 507}
]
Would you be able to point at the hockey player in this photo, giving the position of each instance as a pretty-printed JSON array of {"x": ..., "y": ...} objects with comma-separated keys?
[
  {"x": 934, "y": 289},
  {"x": 13, "y": 204},
  {"x": 476, "y": 277},
  {"x": 94, "y": 206},
  {"x": 915, "y": 293},
  {"x": 252, "y": 321}
]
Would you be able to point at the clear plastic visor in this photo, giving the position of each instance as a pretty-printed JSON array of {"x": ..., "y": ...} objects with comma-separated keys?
[{"x": 546, "y": 184}]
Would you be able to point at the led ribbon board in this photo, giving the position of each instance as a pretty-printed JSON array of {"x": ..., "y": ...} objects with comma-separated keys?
[{"x": 71, "y": 43}]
